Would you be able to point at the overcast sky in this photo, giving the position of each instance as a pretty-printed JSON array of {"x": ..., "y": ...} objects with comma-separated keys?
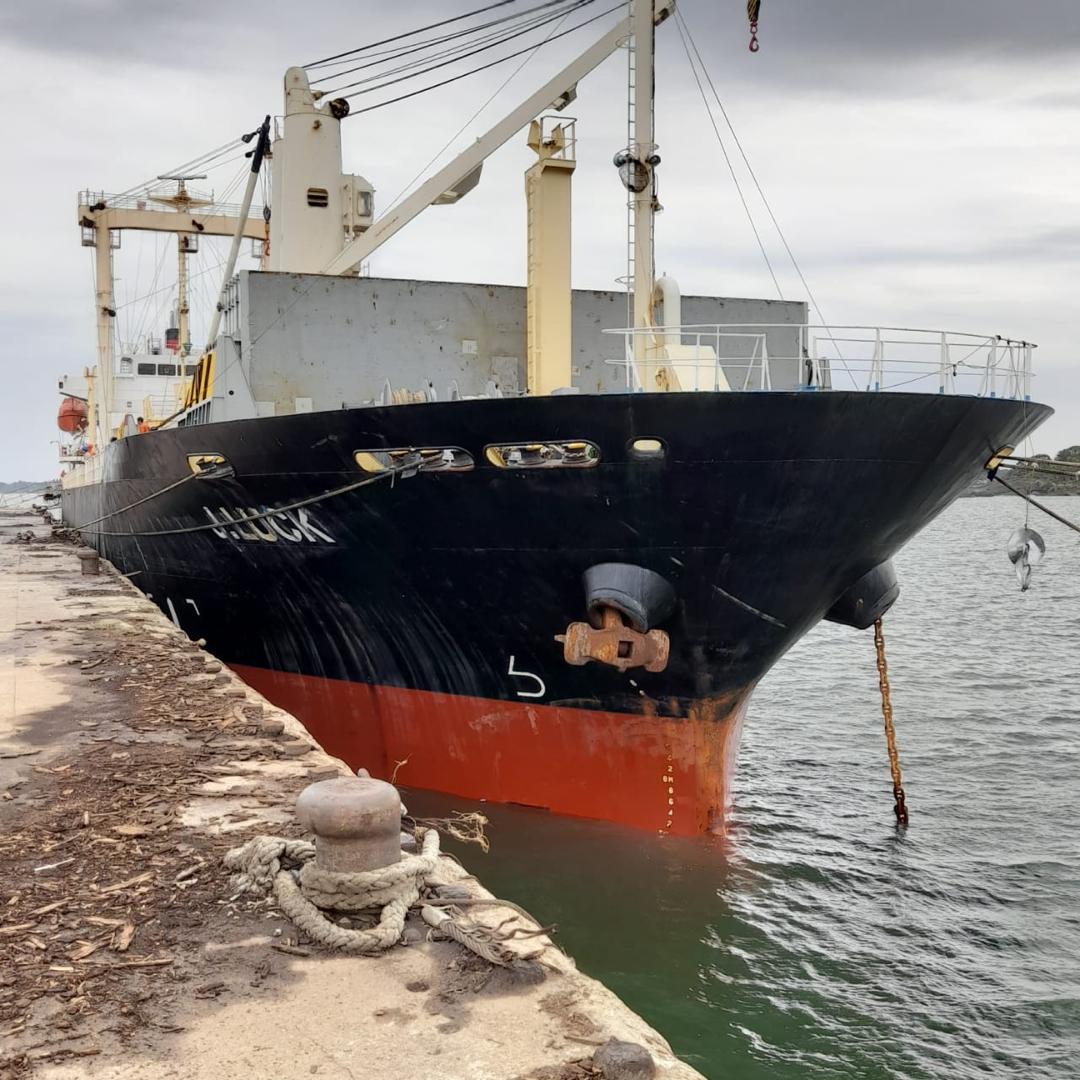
[{"x": 923, "y": 159}]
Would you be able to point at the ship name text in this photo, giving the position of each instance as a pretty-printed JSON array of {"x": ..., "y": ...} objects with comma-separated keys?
[{"x": 240, "y": 523}]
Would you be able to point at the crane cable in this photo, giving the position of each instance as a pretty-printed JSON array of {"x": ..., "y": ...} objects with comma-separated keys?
[
  {"x": 457, "y": 134},
  {"x": 407, "y": 34},
  {"x": 451, "y": 56},
  {"x": 684, "y": 34},
  {"x": 681, "y": 22},
  {"x": 302, "y": 293},
  {"x": 387, "y": 56},
  {"x": 478, "y": 69}
]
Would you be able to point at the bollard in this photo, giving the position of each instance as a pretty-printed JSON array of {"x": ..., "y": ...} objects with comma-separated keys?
[
  {"x": 356, "y": 822},
  {"x": 89, "y": 560}
]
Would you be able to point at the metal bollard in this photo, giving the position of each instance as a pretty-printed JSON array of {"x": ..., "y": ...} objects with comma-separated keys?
[
  {"x": 356, "y": 822},
  {"x": 89, "y": 560}
]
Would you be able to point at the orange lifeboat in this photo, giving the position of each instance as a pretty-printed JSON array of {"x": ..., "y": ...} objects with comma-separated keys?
[{"x": 72, "y": 415}]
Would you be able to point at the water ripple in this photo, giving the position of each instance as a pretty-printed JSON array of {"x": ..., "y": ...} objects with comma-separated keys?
[{"x": 819, "y": 943}]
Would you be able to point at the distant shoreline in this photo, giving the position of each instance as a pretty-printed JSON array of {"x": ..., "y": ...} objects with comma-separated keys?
[{"x": 983, "y": 488}]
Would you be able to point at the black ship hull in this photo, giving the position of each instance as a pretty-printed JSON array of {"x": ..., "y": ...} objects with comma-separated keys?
[{"x": 414, "y": 619}]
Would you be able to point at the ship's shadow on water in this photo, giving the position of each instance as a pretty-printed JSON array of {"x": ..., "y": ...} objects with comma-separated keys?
[{"x": 819, "y": 940}]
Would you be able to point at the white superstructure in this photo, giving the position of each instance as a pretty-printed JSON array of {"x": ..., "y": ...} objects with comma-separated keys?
[{"x": 317, "y": 209}]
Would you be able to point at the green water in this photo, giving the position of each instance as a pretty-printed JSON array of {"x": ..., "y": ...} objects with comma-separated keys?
[{"x": 817, "y": 941}]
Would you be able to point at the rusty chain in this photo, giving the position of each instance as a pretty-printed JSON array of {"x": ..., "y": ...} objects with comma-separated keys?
[{"x": 900, "y": 809}]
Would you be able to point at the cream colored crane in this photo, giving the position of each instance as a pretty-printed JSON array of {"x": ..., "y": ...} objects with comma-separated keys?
[{"x": 461, "y": 174}]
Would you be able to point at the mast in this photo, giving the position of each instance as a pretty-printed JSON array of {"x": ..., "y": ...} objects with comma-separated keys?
[
  {"x": 183, "y": 202},
  {"x": 182, "y": 308},
  {"x": 261, "y": 146},
  {"x": 644, "y": 152},
  {"x": 106, "y": 312}
]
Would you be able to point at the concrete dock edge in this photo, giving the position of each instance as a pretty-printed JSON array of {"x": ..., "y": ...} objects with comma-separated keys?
[{"x": 130, "y": 762}]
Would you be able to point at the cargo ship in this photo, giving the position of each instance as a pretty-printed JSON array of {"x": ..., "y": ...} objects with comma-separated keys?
[{"x": 473, "y": 539}]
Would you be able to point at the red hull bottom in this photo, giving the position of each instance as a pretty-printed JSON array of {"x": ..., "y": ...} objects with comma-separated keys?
[{"x": 650, "y": 772}]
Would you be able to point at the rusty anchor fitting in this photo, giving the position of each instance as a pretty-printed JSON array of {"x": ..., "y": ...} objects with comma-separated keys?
[{"x": 615, "y": 644}]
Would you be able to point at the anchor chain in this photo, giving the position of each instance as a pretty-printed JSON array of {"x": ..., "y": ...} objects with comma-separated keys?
[{"x": 900, "y": 808}]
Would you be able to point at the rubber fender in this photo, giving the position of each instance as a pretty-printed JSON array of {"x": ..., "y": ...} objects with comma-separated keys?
[
  {"x": 868, "y": 599},
  {"x": 641, "y": 596}
]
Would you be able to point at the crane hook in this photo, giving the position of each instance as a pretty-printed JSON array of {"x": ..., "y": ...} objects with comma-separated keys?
[{"x": 753, "y": 9}]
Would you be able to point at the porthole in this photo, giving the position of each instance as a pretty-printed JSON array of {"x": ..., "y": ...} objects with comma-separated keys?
[
  {"x": 426, "y": 459},
  {"x": 570, "y": 454},
  {"x": 647, "y": 449}
]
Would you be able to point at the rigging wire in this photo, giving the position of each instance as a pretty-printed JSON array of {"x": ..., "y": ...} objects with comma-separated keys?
[
  {"x": 462, "y": 51},
  {"x": 482, "y": 67},
  {"x": 457, "y": 134},
  {"x": 161, "y": 249},
  {"x": 395, "y": 54},
  {"x": 457, "y": 58},
  {"x": 203, "y": 161},
  {"x": 165, "y": 288},
  {"x": 727, "y": 159},
  {"x": 531, "y": 50},
  {"x": 680, "y": 22},
  {"x": 407, "y": 34}
]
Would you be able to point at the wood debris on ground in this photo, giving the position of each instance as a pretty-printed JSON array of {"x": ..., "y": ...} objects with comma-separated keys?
[{"x": 106, "y": 900}]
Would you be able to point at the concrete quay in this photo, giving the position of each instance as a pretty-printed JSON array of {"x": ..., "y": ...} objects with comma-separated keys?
[{"x": 130, "y": 762}]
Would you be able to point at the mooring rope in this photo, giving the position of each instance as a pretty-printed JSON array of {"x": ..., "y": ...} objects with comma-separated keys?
[
  {"x": 900, "y": 807},
  {"x": 386, "y": 474},
  {"x": 131, "y": 506},
  {"x": 305, "y": 891},
  {"x": 1034, "y": 502},
  {"x": 286, "y": 868}
]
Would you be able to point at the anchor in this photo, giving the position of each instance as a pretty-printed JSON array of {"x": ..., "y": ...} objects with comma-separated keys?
[
  {"x": 615, "y": 644},
  {"x": 624, "y": 602}
]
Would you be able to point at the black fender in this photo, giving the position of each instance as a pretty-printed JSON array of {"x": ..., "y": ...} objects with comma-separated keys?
[
  {"x": 868, "y": 599},
  {"x": 643, "y": 597}
]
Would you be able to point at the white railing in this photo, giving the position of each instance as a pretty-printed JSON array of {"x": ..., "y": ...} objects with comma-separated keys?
[
  {"x": 558, "y": 136},
  {"x": 701, "y": 364},
  {"x": 785, "y": 356}
]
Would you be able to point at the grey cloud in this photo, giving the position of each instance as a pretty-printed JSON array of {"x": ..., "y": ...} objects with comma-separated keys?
[
  {"x": 864, "y": 31},
  {"x": 1050, "y": 247},
  {"x": 1056, "y": 100},
  {"x": 828, "y": 38},
  {"x": 885, "y": 48},
  {"x": 195, "y": 34}
]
